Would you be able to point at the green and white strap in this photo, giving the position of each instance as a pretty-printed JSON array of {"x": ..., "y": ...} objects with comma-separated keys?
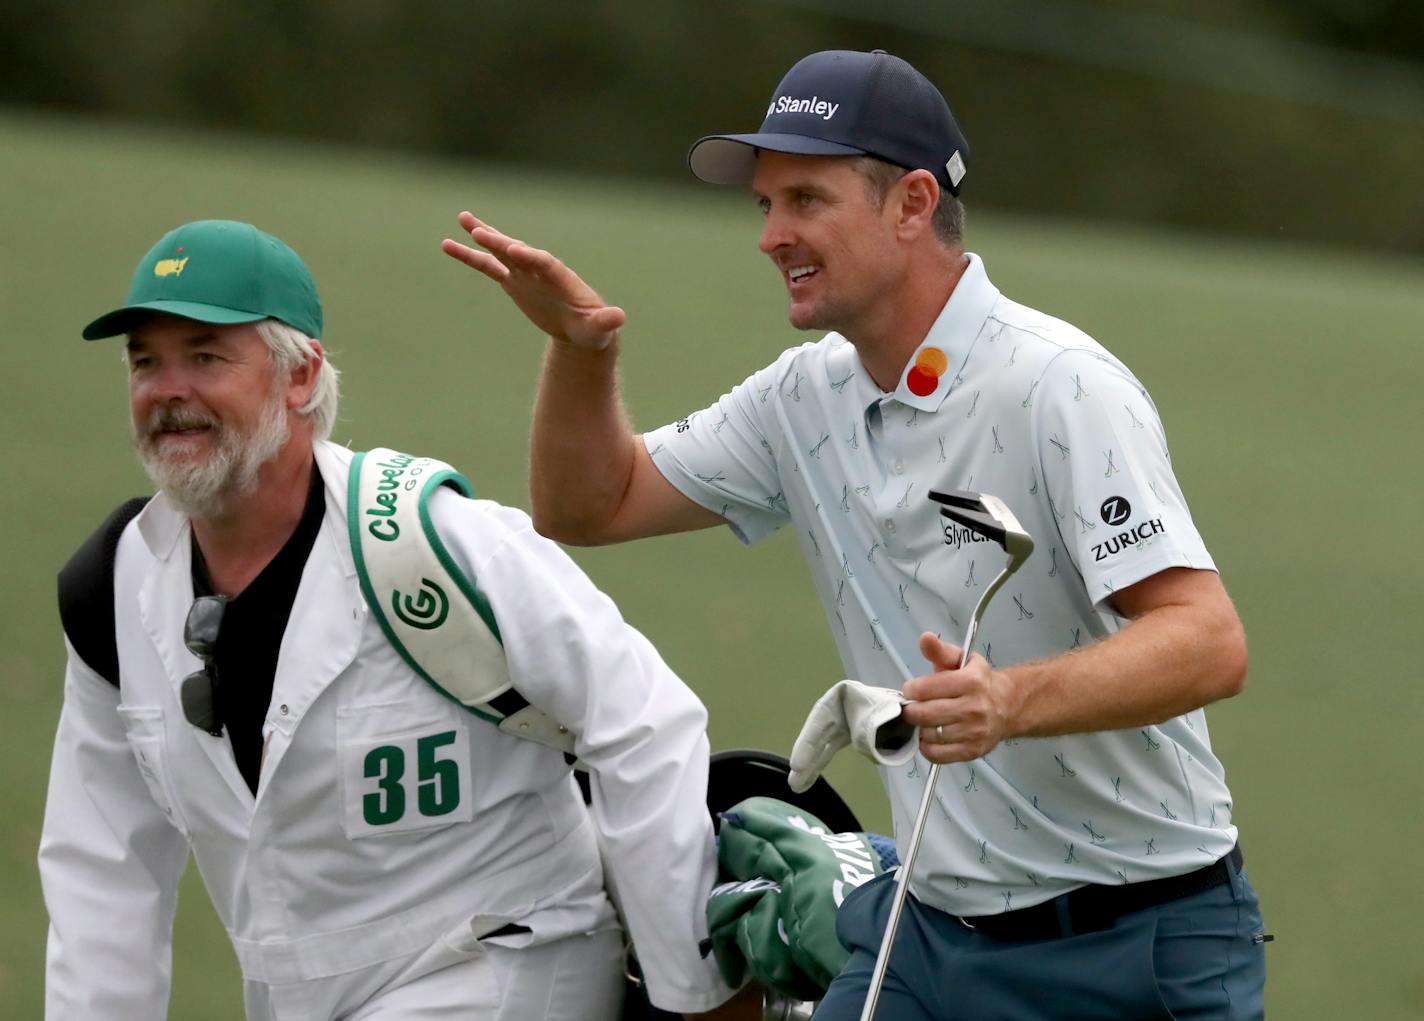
[{"x": 435, "y": 616}]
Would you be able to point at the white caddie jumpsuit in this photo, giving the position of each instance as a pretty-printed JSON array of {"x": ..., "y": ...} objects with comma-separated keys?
[{"x": 391, "y": 828}]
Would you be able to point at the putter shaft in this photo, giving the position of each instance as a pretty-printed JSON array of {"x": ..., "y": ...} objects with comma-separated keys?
[{"x": 902, "y": 878}]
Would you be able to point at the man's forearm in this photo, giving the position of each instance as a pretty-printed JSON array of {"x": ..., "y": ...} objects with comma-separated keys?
[
  {"x": 1184, "y": 648},
  {"x": 581, "y": 450},
  {"x": 1167, "y": 662}
]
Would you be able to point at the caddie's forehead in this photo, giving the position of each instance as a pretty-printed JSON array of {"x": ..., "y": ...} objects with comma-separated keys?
[{"x": 162, "y": 329}]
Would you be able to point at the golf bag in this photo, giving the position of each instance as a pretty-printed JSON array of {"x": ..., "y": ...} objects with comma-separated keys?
[{"x": 733, "y": 777}]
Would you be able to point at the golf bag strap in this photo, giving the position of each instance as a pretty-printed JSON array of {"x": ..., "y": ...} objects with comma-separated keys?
[
  {"x": 434, "y": 615},
  {"x": 86, "y": 593}
]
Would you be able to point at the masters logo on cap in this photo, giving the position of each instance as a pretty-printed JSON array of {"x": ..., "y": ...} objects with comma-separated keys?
[{"x": 217, "y": 271}]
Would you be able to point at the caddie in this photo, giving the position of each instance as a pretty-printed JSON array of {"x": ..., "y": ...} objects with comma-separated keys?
[
  {"x": 1082, "y": 861},
  {"x": 373, "y": 847}
]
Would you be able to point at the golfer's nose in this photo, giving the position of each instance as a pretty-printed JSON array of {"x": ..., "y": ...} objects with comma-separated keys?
[{"x": 775, "y": 233}]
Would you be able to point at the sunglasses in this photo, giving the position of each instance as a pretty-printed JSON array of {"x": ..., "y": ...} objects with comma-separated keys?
[{"x": 200, "y": 689}]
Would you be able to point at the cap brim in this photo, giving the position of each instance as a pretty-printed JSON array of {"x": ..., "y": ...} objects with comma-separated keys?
[
  {"x": 123, "y": 320},
  {"x": 731, "y": 159}
]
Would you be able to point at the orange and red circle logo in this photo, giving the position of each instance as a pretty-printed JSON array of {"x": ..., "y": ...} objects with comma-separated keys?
[{"x": 923, "y": 377}]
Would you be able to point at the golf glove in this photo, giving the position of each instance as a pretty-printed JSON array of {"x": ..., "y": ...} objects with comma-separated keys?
[{"x": 855, "y": 714}]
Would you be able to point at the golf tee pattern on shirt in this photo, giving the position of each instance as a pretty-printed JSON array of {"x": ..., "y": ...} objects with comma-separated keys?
[{"x": 1005, "y": 400}]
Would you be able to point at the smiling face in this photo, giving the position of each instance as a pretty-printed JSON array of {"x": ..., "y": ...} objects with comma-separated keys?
[
  {"x": 208, "y": 407},
  {"x": 836, "y": 248}
]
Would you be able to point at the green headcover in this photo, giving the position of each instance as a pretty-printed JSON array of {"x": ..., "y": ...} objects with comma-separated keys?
[{"x": 774, "y": 919}]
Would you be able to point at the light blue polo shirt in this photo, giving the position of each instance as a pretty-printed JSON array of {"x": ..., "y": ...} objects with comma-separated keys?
[{"x": 1004, "y": 400}]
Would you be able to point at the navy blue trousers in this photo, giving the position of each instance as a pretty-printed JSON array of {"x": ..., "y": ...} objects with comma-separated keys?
[{"x": 1197, "y": 958}]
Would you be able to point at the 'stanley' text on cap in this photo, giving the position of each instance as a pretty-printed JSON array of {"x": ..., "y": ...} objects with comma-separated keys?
[{"x": 792, "y": 104}]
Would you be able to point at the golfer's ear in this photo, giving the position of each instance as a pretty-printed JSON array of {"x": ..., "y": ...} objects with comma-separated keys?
[{"x": 918, "y": 195}]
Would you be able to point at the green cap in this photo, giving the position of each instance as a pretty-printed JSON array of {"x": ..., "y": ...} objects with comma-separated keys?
[{"x": 218, "y": 271}]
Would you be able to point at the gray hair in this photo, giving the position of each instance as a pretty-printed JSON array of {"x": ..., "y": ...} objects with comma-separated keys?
[
  {"x": 881, "y": 176},
  {"x": 290, "y": 348}
]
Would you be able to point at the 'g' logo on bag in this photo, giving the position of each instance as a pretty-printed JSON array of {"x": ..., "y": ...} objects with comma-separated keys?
[{"x": 426, "y": 610}]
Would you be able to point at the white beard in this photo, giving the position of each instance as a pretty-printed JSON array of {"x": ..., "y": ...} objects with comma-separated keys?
[{"x": 201, "y": 487}]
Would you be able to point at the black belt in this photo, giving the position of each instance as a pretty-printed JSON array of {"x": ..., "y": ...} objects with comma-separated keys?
[{"x": 1094, "y": 908}]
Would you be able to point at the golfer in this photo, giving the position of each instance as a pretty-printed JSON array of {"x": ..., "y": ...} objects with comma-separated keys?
[
  {"x": 373, "y": 849},
  {"x": 1083, "y": 862}
]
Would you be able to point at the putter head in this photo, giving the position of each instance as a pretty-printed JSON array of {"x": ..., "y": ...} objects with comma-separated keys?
[{"x": 988, "y": 516}]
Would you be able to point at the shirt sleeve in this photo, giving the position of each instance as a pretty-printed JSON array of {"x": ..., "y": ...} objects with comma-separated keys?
[
  {"x": 1103, "y": 454},
  {"x": 109, "y": 864},
  {"x": 723, "y": 457},
  {"x": 641, "y": 732}
]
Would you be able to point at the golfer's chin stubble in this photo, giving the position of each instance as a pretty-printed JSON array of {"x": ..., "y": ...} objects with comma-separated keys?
[
  {"x": 816, "y": 315},
  {"x": 820, "y": 308}
]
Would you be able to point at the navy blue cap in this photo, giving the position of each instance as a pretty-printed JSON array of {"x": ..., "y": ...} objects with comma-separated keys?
[{"x": 846, "y": 103}]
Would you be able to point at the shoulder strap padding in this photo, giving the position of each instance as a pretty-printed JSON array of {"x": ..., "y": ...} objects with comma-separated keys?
[
  {"x": 434, "y": 614},
  {"x": 86, "y": 593}
]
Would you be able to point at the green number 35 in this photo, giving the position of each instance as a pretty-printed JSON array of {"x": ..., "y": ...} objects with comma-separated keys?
[{"x": 437, "y": 781}]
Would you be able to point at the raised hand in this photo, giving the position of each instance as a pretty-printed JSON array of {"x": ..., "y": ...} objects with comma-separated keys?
[{"x": 553, "y": 297}]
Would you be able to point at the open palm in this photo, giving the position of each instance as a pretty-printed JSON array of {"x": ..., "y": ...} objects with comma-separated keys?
[{"x": 553, "y": 297}]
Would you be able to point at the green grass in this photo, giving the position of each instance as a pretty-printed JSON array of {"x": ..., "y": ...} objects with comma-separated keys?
[{"x": 1287, "y": 378}]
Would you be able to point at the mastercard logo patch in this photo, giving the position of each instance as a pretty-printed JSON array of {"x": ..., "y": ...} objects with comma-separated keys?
[{"x": 923, "y": 377}]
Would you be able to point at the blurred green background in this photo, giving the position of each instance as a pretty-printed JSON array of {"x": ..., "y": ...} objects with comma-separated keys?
[{"x": 1252, "y": 254}]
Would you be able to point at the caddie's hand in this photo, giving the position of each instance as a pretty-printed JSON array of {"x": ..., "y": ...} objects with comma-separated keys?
[
  {"x": 745, "y": 1006},
  {"x": 962, "y": 713},
  {"x": 551, "y": 295}
]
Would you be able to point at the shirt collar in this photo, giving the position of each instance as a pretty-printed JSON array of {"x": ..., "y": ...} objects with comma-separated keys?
[{"x": 929, "y": 375}]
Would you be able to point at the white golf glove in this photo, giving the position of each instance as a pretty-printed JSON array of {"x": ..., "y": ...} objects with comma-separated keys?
[{"x": 856, "y": 714}]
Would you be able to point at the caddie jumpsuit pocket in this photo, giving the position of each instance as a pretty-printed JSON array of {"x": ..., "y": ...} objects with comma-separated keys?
[
  {"x": 147, "y": 736},
  {"x": 405, "y": 767},
  {"x": 454, "y": 978},
  {"x": 446, "y": 982}
]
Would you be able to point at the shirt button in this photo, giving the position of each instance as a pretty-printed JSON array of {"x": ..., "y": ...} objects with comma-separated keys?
[
  {"x": 283, "y": 709},
  {"x": 899, "y": 467},
  {"x": 890, "y": 525}
]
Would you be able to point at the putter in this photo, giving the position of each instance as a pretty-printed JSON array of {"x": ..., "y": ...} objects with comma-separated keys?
[{"x": 983, "y": 515}]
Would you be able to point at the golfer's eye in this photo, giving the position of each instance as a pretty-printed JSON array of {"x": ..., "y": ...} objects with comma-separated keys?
[
  {"x": 764, "y": 204},
  {"x": 139, "y": 362}
]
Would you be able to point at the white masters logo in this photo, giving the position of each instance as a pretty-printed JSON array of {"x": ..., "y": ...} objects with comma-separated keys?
[{"x": 822, "y": 108}]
